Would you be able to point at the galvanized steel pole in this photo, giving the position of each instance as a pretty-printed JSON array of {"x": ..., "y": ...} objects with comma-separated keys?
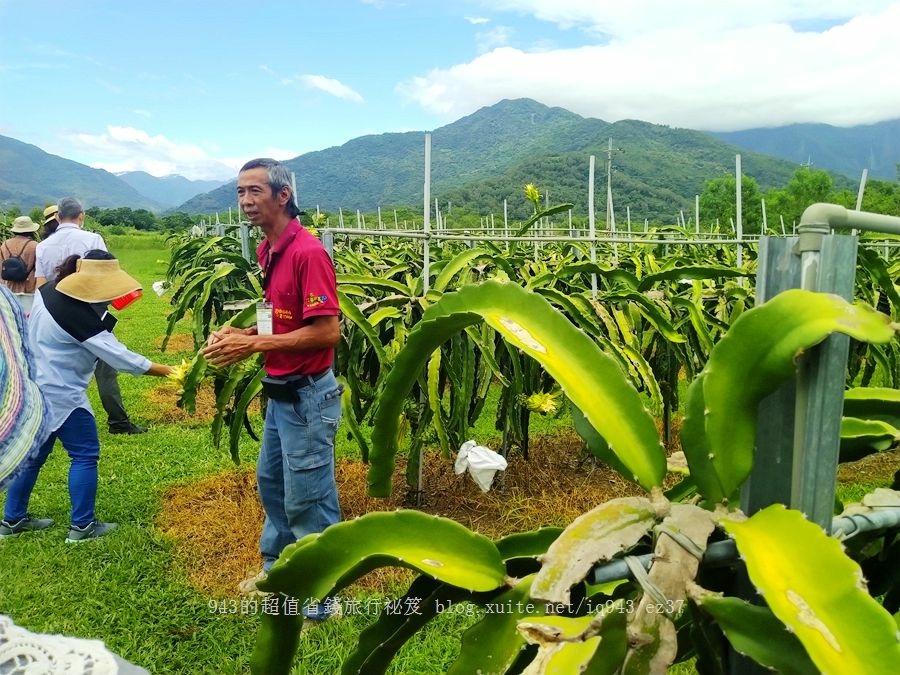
[
  {"x": 592, "y": 231},
  {"x": 426, "y": 228}
]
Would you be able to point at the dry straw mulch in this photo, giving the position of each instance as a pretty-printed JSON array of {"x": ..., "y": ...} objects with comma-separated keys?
[
  {"x": 178, "y": 342},
  {"x": 877, "y": 468},
  {"x": 161, "y": 406},
  {"x": 215, "y": 523}
]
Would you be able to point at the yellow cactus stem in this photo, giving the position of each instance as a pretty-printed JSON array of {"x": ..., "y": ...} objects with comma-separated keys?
[
  {"x": 178, "y": 375},
  {"x": 393, "y": 348},
  {"x": 315, "y": 221},
  {"x": 543, "y": 402},
  {"x": 532, "y": 195}
]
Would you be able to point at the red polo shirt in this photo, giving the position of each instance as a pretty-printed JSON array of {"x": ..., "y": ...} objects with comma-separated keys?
[{"x": 300, "y": 283}]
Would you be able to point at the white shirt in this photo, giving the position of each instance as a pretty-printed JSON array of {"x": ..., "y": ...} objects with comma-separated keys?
[
  {"x": 67, "y": 337},
  {"x": 69, "y": 239}
]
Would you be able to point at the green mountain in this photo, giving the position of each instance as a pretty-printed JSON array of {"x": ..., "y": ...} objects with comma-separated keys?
[
  {"x": 30, "y": 177},
  {"x": 168, "y": 191},
  {"x": 656, "y": 171},
  {"x": 488, "y": 156},
  {"x": 847, "y": 150},
  {"x": 477, "y": 162}
]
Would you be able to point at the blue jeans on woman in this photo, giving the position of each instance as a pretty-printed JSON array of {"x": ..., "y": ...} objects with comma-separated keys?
[
  {"x": 78, "y": 435},
  {"x": 295, "y": 471}
]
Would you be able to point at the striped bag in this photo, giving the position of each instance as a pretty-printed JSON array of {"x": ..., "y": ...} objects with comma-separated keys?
[{"x": 23, "y": 422}]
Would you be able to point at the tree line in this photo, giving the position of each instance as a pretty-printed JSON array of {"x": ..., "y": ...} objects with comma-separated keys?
[
  {"x": 717, "y": 206},
  {"x": 717, "y": 203},
  {"x": 807, "y": 186},
  {"x": 121, "y": 218}
]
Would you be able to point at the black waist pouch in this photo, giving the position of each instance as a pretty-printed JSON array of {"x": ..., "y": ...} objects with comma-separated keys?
[{"x": 278, "y": 389}]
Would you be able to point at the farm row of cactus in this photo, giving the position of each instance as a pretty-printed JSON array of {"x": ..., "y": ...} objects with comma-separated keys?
[{"x": 610, "y": 342}]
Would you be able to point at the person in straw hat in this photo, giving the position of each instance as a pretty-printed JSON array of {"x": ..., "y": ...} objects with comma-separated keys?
[
  {"x": 68, "y": 336},
  {"x": 22, "y": 244},
  {"x": 70, "y": 238},
  {"x": 51, "y": 221}
]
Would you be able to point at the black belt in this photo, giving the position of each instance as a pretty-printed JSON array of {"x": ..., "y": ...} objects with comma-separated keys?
[{"x": 300, "y": 381}]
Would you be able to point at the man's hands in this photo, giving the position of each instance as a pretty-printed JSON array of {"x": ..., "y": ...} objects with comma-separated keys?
[
  {"x": 228, "y": 345},
  {"x": 225, "y": 346}
]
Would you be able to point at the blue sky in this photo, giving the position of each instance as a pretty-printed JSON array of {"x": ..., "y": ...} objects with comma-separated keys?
[{"x": 198, "y": 87}]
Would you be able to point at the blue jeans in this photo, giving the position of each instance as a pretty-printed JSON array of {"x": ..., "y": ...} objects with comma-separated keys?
[
  {"x": 295, "y": 471},
  {"x": 78, "y": 435}
]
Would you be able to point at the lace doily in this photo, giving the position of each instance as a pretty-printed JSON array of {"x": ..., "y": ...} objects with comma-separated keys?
[{"x": 26, "y": 653}]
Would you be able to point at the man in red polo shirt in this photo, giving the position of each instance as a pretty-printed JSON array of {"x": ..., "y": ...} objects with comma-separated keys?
[{"x": 297, "y": 329}]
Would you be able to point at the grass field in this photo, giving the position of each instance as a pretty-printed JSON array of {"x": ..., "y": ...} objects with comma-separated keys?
[{"x": 130, "y": 589}]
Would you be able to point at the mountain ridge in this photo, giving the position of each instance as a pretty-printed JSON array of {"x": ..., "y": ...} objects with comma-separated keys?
[
  {"x": 31, "y": 177},
  {"x": 847, "y": 150},
  {"x": 168, "y": 191},
  {"x": 485, "y": 158},
  {"x": 478, "y": 161}
]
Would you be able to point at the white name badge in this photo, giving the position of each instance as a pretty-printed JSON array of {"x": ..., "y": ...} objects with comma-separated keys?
[{"x": 264, "y": 318}]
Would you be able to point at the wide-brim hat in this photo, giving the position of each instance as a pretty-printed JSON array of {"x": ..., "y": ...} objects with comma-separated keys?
[
  {"x": 97, "y": 281},
  {"x": 50, "y": 213},
  {"x": 23, "y": 225}
]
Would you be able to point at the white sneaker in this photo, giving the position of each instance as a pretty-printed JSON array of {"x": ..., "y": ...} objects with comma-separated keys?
[{"x": 248, "y": 586}]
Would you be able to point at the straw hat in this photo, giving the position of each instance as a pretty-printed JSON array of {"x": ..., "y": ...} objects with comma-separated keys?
[
  {"x": 50, "y": 213},
  {"x": 23, "y": 225},
  {"x": 97, "y": 281}
]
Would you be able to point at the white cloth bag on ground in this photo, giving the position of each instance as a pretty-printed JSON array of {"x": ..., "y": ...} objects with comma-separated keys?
[{"x": 481, "y": 462}]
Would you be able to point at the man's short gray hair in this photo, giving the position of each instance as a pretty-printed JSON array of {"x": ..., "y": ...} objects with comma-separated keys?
[
  {"x": 278, "y": 178},
  {"x": 69, "y": 209}
]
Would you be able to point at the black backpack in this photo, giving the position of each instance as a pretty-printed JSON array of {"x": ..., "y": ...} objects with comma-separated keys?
[{"x": 13, "y": 267}]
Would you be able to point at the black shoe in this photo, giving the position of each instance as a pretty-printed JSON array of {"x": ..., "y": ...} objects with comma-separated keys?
[
  {"x": 28, "y": 524},
  {"x": 129, "y": 428},
  {"x": 93, "y": 530}
]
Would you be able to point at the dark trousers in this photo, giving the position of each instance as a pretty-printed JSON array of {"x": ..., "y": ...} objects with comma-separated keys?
[
  {"x": 110, "y": 395},
  {"x": 108, "y": 383}
]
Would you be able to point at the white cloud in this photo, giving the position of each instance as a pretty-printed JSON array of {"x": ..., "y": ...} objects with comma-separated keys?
[
  {"x": 477, "y": 20},
  {"x": 142, "y": 113},
  {"x": 493, "y": 38},
  {"x": 699, "y": 64},
  {"x": 129, "y": 149},
  {"x": 623, "y": 20},
  {"x": 280, "y": 154},
  {"x": 330, "y": 86}
]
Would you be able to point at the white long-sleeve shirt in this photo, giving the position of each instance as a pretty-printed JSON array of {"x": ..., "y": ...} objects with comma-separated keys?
[
  {"x": 69, "y": 239},
  {"x": 67, "y": 337}
]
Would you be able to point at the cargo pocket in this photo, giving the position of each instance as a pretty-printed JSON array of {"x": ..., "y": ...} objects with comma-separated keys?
[
  {"x": 310, "y": 450},
  {"x": 330, "y": 413},
  {"x": 311, "y": 472}
]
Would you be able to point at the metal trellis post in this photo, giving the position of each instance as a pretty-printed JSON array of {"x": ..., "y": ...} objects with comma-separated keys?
[{"x": 798, "y": 439}]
